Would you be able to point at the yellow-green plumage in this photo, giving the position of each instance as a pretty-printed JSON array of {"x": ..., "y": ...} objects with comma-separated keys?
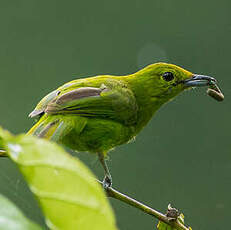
[
  {"x": 98, "y": 113},
  {"x": 99, "y": 123}
]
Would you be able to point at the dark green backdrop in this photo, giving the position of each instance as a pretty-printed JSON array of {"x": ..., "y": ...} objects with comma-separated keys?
[{"x": 184, "y": 155}]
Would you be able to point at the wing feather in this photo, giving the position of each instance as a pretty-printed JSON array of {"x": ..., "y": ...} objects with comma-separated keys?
[{"x": 112, "y": 100}]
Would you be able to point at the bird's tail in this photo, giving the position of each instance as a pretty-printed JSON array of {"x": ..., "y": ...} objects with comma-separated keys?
[
  {"x": 50, "y": 127},
  {"x": 55, "y": 127}
]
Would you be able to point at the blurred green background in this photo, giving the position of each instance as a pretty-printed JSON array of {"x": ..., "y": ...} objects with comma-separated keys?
[{"x": 184, "y": 155}]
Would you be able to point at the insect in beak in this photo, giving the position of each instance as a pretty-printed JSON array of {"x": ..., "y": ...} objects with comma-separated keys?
[{"x": 202, "y": 80}]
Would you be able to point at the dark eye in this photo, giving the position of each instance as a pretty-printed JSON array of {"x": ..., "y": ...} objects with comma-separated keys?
[{"x": 168, "y": 76}]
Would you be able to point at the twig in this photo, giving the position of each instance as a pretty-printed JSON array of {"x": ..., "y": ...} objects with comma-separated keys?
[
  {"x": 111, "y": 192},
  {"x": 3, "y": 153}
]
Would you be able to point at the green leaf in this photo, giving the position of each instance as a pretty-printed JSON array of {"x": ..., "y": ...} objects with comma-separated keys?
[
  {"x": 3, "y": 135},
  {"x": 67, "y": 191},
  {"x": 11, "y": 218}
]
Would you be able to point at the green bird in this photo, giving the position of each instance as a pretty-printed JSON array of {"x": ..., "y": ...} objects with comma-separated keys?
[{"x": 96, "y": 114}]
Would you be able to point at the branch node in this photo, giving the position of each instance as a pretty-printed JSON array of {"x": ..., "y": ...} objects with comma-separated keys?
[
  {"x": 172, "y": 213},
  {"x": 171, "y": 218}
]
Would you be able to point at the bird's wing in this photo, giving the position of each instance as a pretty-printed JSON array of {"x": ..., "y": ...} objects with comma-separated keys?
[
  {"x": 41, "y": 106},
  {"x": 112, "y": 100}
]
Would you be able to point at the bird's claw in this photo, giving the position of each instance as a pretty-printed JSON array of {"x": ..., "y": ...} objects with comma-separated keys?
[{"x": 107, "y": 182}]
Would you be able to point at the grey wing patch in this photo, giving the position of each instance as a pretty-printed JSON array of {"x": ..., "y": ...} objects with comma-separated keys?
[
  {"x": 78, "y": 94},
  {"x": 40, "y": 108},
  {"x": 35, "y": 113},
  {"x": 66, "y": 99}
]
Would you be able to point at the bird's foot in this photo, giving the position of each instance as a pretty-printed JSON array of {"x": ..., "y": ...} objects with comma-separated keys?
[{"x": 107, "y": 182}]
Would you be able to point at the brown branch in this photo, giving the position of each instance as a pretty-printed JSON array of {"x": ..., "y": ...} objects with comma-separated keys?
[{"x": 174, "y": 222}]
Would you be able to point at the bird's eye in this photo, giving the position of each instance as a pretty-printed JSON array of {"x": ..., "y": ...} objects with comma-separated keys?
[{"x": 168, "y": 76}]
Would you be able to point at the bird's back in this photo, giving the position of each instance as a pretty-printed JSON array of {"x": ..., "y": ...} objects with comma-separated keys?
[{"x": 92, "y": 114}]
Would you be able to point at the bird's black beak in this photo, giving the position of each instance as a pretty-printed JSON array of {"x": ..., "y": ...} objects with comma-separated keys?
[{"x": 199, "y": 80}]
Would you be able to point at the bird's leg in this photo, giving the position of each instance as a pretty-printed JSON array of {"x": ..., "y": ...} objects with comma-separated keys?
[{"x": 107, "y": 181}]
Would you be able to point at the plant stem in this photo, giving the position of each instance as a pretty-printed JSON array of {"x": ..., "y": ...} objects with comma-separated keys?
[
  {"x": 111, "y": 192},
  {"x": 3, "y": 153}
]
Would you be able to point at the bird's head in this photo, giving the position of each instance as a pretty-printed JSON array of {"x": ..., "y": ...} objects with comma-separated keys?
[{"x": 165, "y": 81}]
